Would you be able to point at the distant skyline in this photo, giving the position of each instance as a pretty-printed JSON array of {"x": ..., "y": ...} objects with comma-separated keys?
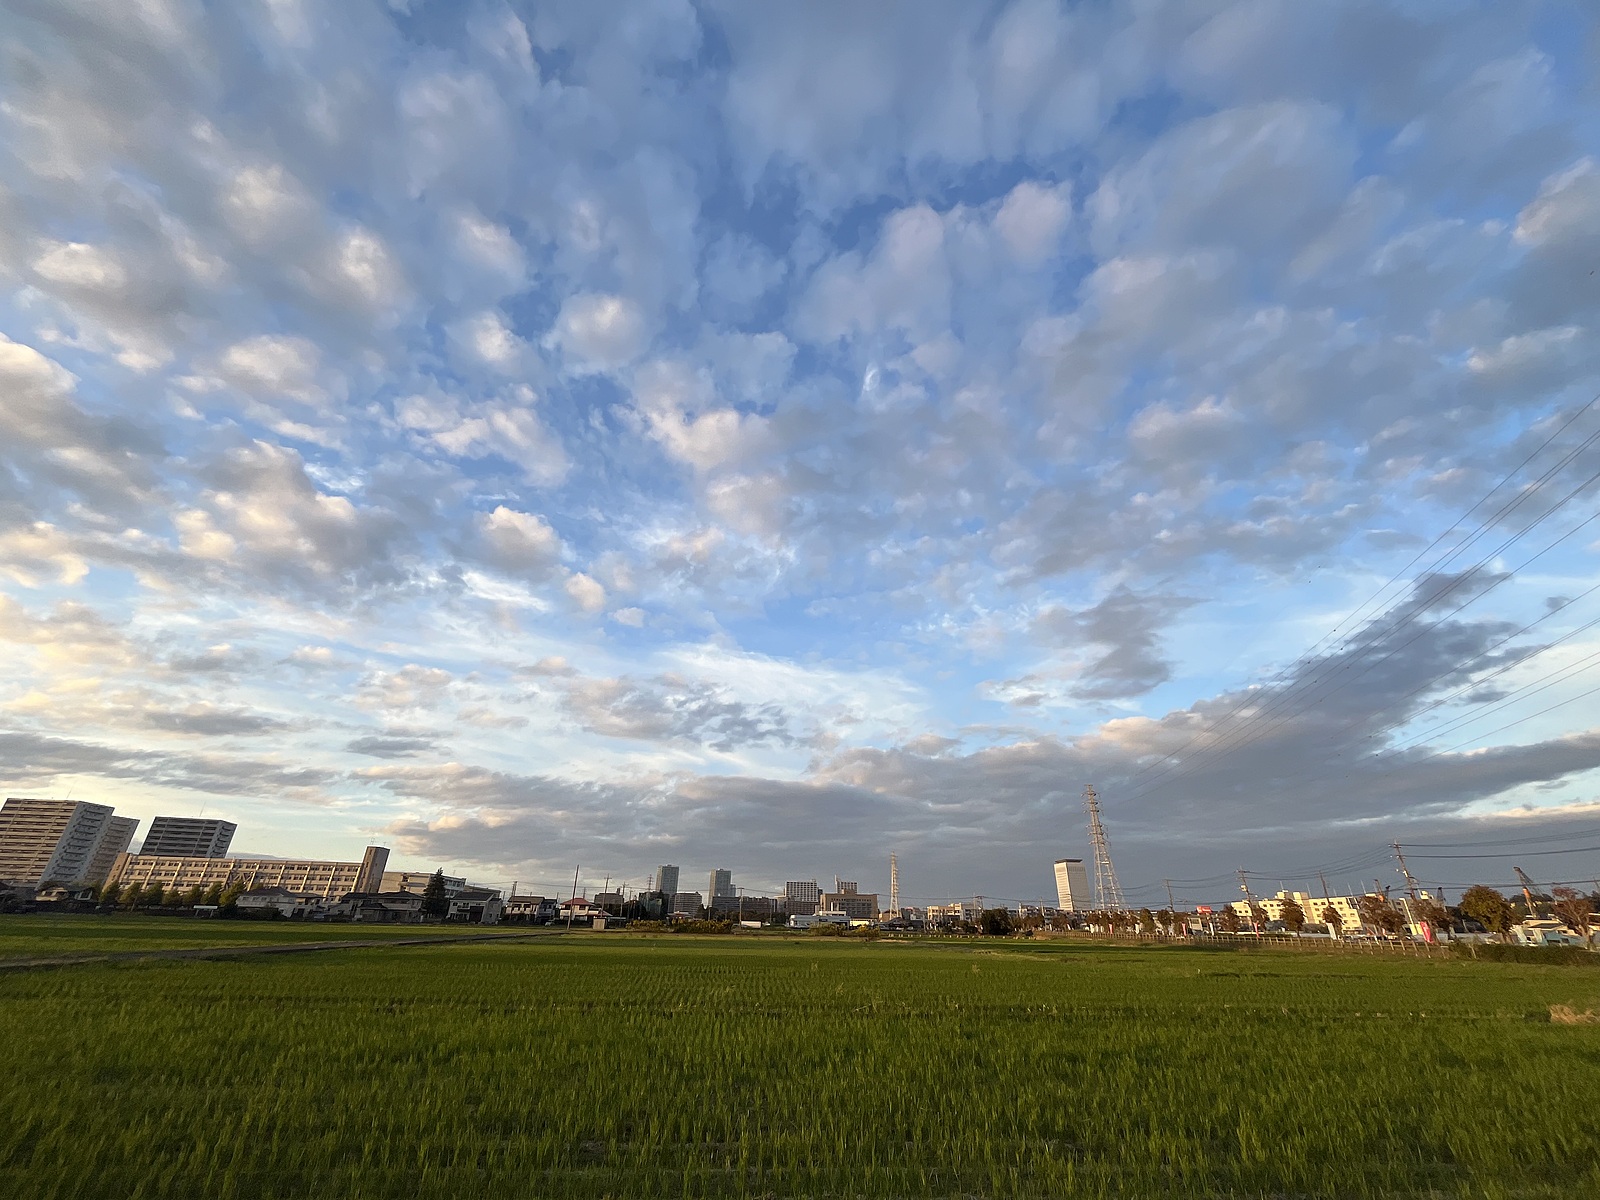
[{"x": 769, "y": 437}]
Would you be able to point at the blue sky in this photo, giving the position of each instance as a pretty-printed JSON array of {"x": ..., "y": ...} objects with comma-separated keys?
[{"x": 769, "y": 437}]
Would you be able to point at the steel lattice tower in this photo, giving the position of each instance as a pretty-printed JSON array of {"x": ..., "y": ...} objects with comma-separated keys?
[
  {"x": 894, "y": 885},
  {"x": 1107, "y": 891}
]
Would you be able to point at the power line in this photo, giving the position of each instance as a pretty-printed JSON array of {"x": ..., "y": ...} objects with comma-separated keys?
[
  {"x": 1362, "y": 608},
  {"x": 1312, "y": 683}
]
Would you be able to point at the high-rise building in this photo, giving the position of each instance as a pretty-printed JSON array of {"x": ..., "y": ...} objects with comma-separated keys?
[
  {"x": 667, "y": 880},
  {"x": 50, "y": 840},
  {"x": 721, "y": 885},
  {"x": 113, "y": 842},
  {"x": 1072, "y": 885},
  {"x": 188, "y": 837},
  {"x": 801, "y": 896},
  {"x": 686, "y": 904}
]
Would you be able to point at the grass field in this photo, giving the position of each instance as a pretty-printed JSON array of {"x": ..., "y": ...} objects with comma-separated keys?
[
  {"x": 36, "y": 936},
  {"x": 601, "y": 1065}
]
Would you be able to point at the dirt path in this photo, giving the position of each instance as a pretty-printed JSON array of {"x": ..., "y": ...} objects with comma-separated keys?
[{"x": 113, "y": 956}]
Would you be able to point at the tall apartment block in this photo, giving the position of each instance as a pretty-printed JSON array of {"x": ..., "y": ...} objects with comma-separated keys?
[
  {"x": 59, "y": 841},
  {"x": 188, "y": 837},
  {"x": 667, "y": 880},
  {"x": 721, "y": 885},
  {"x": 1072, "y": 886},
  {"x": 113, "y": 844},
  {"x": 53, "y": 840}
]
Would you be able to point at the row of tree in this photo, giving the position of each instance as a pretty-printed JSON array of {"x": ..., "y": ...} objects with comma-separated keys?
[
  {"x": 153, "y": 895},
  {"x": 1493, "y": 911}
]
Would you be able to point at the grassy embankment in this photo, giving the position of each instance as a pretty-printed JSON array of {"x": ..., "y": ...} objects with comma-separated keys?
[{"x": 609, "y": 1066}]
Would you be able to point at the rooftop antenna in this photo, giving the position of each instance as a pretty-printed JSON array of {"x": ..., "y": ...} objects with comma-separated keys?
[{"x": 1107, "y": 891}]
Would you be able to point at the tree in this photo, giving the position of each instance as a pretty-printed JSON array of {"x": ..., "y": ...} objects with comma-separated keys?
[
  {"x": 1294, "y": 917},
  {"x": 996, "y": 922},
  {"x": 1574, "y": 911},
  {"x": 1432, "y": 913},
  {"x": 1332, "y": 919},
  {"x": 213, "y": 895},
  {"x": 132, "y": 895},
  {"x": 1230, "y": 919},
  {"x": 154, "y": 895},
  {"x": 1488, "y": 908},
  {"x": 1377, "y": 913},
  {"x": 228, "y": 901},
  {"x": 1147, "y": 922},
  {"x": 434, "y": 900},
  {"x": 195, "y": 895},
  {"x": 110, "y": 894}
]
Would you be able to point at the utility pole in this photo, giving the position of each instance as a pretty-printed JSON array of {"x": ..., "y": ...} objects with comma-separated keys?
[
  {"x": 1172, "y": 907},
  {"x": 1327, "y": 900},
  {"x": 1108, "y": 892},
  {"x": 1249, "y": 900},
  {"x": 574, "y": 895},
  {"x": 1411, "y": 882}
]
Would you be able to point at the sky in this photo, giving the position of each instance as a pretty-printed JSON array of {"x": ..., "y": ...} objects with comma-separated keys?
[{"x": 554, "y": 437}]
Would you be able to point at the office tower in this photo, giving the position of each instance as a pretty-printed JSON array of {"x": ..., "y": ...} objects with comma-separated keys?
[
  {"x": 721, "y": 885},
  {"x": 667, "y": 880},
  {"x": 50, "y": 840},
  {"x": 113, "y": 842},
  {"x": 1072, "y": 885},
  {"x": 800, "y": 897},
  {"x": 188, "y": 837}
]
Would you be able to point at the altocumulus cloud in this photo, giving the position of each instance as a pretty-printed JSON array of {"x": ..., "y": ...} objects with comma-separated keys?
[{"x": 768, "y": 438}]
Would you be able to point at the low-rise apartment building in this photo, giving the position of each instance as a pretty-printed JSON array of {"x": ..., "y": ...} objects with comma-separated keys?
[{"x": 330, "y": 880}]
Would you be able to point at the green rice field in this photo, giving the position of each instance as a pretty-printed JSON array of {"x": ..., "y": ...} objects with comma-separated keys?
[
  {"x": 36, "y": 936},
  {"x": 616, "y": 1066}
]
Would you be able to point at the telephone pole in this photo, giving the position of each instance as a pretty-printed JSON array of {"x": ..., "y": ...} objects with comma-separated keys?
[
  {"x": 1249, "y": 900},
  {"x": 1172, "y": 909},
  {"x": 1107, "y": 891},
  {"x": 1411, "y": 882}
]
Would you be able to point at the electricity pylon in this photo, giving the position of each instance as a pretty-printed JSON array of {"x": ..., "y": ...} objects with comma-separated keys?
[{"x": 1107, "y": 891}]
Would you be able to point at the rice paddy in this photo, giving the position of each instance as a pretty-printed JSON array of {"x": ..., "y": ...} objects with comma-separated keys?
[
  {"x": 36, "y": 936},
  {"x": 611, "y": 1066}
]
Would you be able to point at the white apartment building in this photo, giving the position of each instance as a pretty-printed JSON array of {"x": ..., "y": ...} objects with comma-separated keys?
[
  {"x": 416, "y": 882},
  {"x": 1072, "y": 886},
  {"x": 188, "y": 837},
  {"x": 1312, "y": 906},
  {"x": 330, "y": 880},
  {"x": 60, "y": 841},
  {"x": 956, "y": 910}
]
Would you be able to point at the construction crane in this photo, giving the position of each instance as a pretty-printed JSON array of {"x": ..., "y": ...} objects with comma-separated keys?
[{"x": 1528, "y": 889}]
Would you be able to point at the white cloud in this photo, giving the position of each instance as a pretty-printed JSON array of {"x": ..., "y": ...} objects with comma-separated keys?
[
  {"x": 1032, "y": 219},
  {"x": 586, "y": 593},
  {"x": 520, "y": 542},
  {"x": 598, "y": 332}
]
